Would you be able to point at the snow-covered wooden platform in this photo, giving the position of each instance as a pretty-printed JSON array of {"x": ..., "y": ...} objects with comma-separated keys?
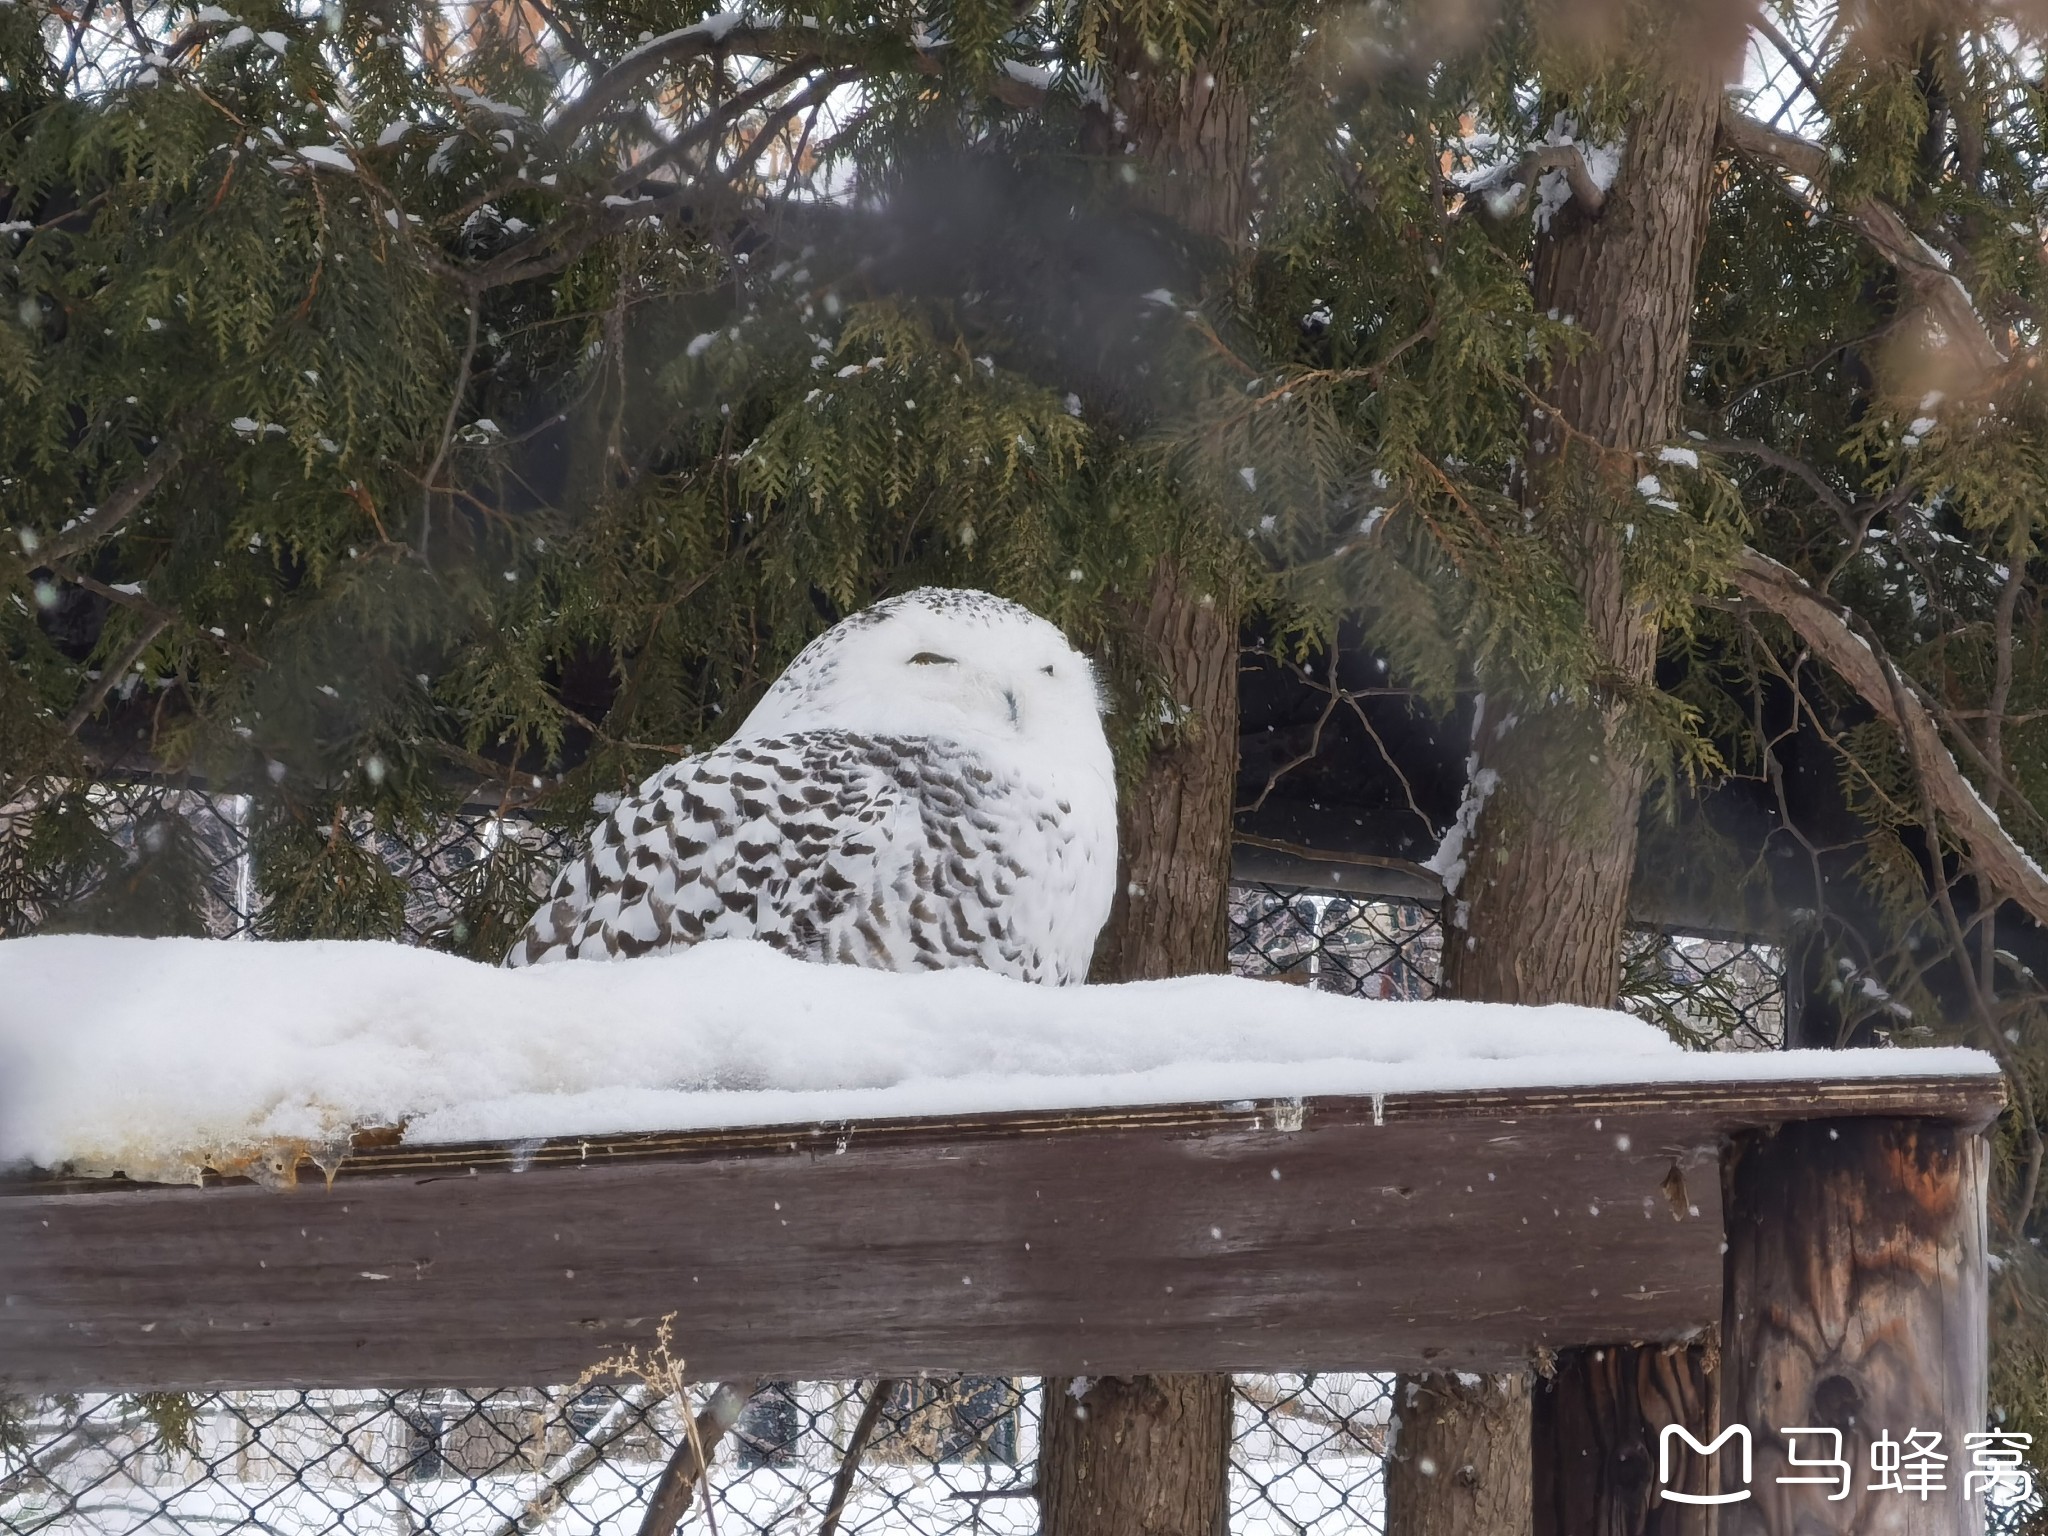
[{"x": 1453, "y": 1229}]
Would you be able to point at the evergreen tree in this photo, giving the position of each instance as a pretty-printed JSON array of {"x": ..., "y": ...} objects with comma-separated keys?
[{"x": 409, "y": 404}]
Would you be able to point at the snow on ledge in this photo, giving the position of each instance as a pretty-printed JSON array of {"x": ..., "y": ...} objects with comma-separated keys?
[{"x": 155, "y": 1056}]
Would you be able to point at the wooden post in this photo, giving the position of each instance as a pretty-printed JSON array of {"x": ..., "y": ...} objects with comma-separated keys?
[
  {"x": 1854, "y": 1302},
  {"x": 1596, "y": 1431}
]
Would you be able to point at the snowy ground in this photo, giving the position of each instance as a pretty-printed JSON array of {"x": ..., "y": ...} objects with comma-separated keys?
[
  {"x": 155, "y": 1056},
  {"x": 356, "y": 1464}
]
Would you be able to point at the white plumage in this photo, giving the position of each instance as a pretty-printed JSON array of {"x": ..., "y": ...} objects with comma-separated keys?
[{"x": 927, "y": 785}]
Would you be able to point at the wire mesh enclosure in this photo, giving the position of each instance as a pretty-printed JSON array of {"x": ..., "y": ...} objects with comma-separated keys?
[
  {"x": 945, "y": 1456},
  {"x": 202, "y": 852},
  {"x": 1711, "y": 993}
]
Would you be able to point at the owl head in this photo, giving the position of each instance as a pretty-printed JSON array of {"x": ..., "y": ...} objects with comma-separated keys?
[{"x": 944, "y": 662}]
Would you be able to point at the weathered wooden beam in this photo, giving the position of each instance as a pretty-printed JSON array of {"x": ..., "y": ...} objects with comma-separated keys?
[
  {"x": 1455, "y": 1230},
  {"x": 1466, "y": 1229},
  {"x": 1854, "y": 1306},
  {"x": 1597, "y": 1429}
]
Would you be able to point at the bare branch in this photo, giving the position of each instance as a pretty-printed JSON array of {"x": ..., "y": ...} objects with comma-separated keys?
[
  {"x": 432, "y": 477},
  {"x": 570, "y": 41},
  {"x": 1791, "y": 464},
  {"x": 1788, "y": 53},
  {"x": 1336, "y": 856},
  {"x": 117, "y": 508},
  {"x": 813, "y": 95},
  {"x": 692, "y": 42},
  {"x": 1568, "y": 158},
  {"x": 863, "y": 1431},
  {"x": 2001, "y": 662},
  {"x": 1922, "y": 271},
  {"x": 1305, "y": 755},
  {"x": 112, "y": 674},
  {"x": 1828, "y": 630},
  {"x": 717, "y": 121},
  {"x": 686, "y": 1468},
  {"x": 562, "y": 1478},
  {"x": 151, "y": 611}
]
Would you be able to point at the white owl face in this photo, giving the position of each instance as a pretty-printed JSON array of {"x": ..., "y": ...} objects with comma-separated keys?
[{"x": 943, "y": 662}]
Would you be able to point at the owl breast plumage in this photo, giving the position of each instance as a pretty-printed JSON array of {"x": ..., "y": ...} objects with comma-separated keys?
[{"x": 926, "y": 787}]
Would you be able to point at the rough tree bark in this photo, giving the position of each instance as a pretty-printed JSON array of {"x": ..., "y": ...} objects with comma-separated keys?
[
  {"x": 1542, "y": 904},
  {"x": 1854, "y": 1305},
  {"x": 1138, "y": 1456},
  {"x": 1538, "y": 915},
  {"x": 1595, "y": 1437},
  {"x": 1150, "y": 1455},
  {"x": 1170, "y": 916},
  {"x": 1459, "y": 1457}
]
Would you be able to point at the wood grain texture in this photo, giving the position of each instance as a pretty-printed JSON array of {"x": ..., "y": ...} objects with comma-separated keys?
[
  {"x": 1855, "y": 1300},
  {"x": 1153, "y": 1459},
  {"x": 1545, "y": 893},
  {"x": 1427, "y": 1230},
  {"x": 1595, "y": 1432},
  {"x": 1136, "y": 1455},
  {"x": 1170, "y": 916},
  {"x": 1538, "y": 916},
  {"x": 1458, "y": 1457}
]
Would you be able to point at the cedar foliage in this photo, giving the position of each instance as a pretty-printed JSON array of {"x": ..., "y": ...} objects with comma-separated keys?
[{"x": 406, "y": 404}]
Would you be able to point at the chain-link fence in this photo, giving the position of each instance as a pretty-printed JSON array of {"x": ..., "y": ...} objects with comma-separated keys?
[
  {"x": 943, "y": 1456},
  {"x": 1712, "y": 993},
  {"x": 1716, "y": 993},
  {"x": 205, "y": 845}
]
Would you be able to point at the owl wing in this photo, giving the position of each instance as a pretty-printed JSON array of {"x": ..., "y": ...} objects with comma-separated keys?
[{"x": 828, "y": 845}]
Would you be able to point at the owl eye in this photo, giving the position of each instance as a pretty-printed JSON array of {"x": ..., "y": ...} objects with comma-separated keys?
[
  {"x": 931, "y": 659},
  {"x": 1047, "y": 670}
]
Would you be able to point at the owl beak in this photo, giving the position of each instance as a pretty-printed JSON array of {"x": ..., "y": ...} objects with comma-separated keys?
[{"x": 1010, "y": 698}]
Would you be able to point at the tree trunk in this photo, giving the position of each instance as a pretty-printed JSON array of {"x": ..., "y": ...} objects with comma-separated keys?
[
  {"x": 1538, "y": 916},
  {"x": 1462, "y": 1444},
  {"x": 1855, "y": 1305},
  {"x": 1152, "y": 1453},
  {"x": 1596, "y": 1433},
  {"x": 1546, "y": 889},
  {"x": 1171, "y": 916},
  {"x": 1137, "y": 1456}
]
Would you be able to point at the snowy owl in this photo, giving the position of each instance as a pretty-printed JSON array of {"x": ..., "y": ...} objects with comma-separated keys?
[{"x": 928, "y": 785}]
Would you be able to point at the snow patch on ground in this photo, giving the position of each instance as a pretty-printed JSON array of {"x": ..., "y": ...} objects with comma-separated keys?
[{"x": 155, "y": 1056}]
